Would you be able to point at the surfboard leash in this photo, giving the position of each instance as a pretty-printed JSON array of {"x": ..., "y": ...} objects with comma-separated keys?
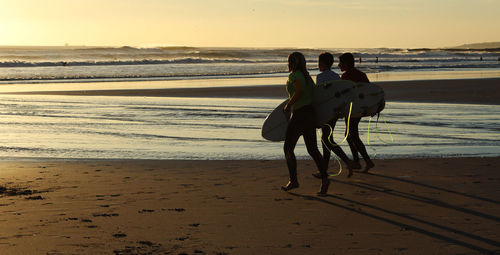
[
  {"x": 345, "y": 139},
  {"x": 378, "y": 136},
  {"x": 330, "y": 136}
]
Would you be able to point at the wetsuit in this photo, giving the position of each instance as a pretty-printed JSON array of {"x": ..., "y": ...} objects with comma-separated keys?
[
  {"x": 353, "y": 139},
  {"x": 302, "y": 123}
]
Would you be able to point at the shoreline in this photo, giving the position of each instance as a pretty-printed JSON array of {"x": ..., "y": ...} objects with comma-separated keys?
[
  {"x": 464, "y": 91},
  {"x": 410, "y": 206},
  {"x": 304, "y": 158}
]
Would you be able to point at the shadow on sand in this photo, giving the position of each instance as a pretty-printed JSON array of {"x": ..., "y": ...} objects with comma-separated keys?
[
  {"x": 364, "y": 208},
  {"x": 436, "y": 188},
  {"x": 404, "y": 226}
]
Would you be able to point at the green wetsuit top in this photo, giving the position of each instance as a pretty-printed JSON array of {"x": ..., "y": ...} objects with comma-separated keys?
[{"x": 306, "y": 98}]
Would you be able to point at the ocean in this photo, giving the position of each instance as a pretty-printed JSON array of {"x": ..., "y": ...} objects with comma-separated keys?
[
  {"x": 100, "y": 127},
  {"x": 91, "y": 64}
]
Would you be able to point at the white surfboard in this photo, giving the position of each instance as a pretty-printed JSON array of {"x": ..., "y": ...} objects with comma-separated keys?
[
  {"x": 276, "y": 123},
  {"x": 368, "y": 100},
  {"x": 330, "y": 99}
]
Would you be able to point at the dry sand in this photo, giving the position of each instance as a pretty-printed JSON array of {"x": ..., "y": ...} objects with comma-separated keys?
[{"x": 403, "y": 206}]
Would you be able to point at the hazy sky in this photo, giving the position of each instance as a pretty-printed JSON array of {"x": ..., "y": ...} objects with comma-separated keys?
[{"x": 250, "y": 23}]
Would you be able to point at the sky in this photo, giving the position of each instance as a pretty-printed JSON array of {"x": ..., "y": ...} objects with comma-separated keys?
[{"x": 250, "y": 23}]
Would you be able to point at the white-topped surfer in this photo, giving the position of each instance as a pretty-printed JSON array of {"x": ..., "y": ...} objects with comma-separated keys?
[
  {"x": 325, "y": 62},
  {"x": 302, "y": 123}
]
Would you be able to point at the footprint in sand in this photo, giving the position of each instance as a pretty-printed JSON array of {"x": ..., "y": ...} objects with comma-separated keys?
[
  {"x": 105, "y": 215},
  {"x": 34, "y": 198},
  {"x": 177, "y": 209},
  {"x": 146, "y": 211},
  {"x": 145, "y": 247},
  {"x": 280, "y": 199},
  {"x": 120, "y": 235}
]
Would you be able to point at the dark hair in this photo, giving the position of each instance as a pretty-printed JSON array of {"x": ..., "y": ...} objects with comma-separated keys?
[
  {"x": 297, "y": 62},
  {"x": 326, "y": 58},
  {"x": 347, "y": 59}
]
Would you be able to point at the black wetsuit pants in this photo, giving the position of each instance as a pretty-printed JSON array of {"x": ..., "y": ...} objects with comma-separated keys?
[
  {"x": 303, "y": 123},
  {"x": 329, "y": 144}
]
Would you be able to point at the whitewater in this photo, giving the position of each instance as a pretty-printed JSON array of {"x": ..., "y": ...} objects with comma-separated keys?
[{"x": 90, "y": 64}]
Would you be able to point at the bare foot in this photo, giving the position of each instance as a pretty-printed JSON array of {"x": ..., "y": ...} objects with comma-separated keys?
[
  {"x": 351, "y": 165},
  {"x": 355, "y": 165},
  {"x": 324, "y": 187},
  {"x": 290, "y": 185},
  {"x": 317, "y": 175},
  {"x": 368, "y": 166},
  {"x": 350, "y": 173}
]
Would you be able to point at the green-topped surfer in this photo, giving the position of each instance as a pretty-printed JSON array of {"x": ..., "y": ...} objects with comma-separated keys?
[{"x": 302, "y": 123}]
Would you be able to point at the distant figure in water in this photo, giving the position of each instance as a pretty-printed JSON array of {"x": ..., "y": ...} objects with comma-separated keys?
[
  {"x": 346, "y": 65},
  {"x": 481, "y": 58},
  {"x": 360, "y": 60},
  {"x": 376, "y": 59},
  {"x": 302, "y": 123},
  {"x": 64, "y": 63}
]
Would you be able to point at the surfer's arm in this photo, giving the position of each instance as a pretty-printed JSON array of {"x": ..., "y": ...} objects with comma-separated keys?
[{"x": 299, "y": 91}]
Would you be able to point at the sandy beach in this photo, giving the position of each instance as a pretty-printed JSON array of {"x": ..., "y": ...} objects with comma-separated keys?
[{"x": 403, "y": 206}]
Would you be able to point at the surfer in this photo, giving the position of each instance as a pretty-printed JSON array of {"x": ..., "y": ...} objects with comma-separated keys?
[
  {"x": 300, "y": 88},
  {"x": 346, "y": 65},
  {"x": 325, "y": 62}
]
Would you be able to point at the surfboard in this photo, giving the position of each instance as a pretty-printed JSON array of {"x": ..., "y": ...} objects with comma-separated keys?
[
  {"x": 330, "y": 99},
  {"x": 367, "y": 100},
  {"x": 276, "y": 123}
]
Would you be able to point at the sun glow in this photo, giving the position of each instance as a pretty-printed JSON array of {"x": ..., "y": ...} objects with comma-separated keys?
[{"x": 251, "y": 23}]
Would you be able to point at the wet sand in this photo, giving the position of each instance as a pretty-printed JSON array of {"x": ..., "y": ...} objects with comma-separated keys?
[
  {"x": 469, "y": 91},
  {"x": 403, "y": 206}
]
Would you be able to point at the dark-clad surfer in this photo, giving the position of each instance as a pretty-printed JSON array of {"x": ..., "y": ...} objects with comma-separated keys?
[
  {"x": 346, "y": 65},
  {"x": 302, "y": 123}
]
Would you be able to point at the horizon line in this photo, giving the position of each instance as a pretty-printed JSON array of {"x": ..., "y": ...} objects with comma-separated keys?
[{"x": 240, "y": 47}]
